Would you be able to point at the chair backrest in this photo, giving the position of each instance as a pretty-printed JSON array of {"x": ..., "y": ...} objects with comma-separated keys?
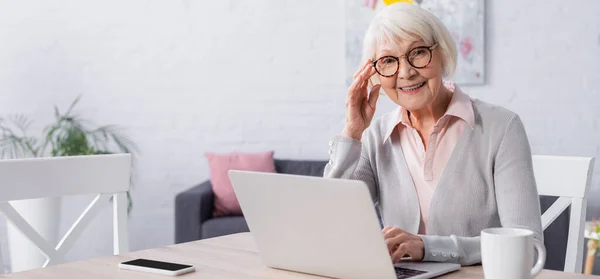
[
  {"x": 108, "y": 176},
  {"x": 568, "y": 178}
]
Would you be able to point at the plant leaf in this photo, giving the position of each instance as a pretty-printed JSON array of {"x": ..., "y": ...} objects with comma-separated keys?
[
  {"x": 22, "y": 123},
  {"x": 14, "y": 145},
  {"x": 56, "y": 112},
  {"x": 73, "y": 105}
]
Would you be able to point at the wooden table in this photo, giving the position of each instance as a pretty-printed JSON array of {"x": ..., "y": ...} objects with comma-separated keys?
[{"x": 230, "y": 257}]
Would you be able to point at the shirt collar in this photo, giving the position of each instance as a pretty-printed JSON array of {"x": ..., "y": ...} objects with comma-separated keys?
[{"x": 460, "y": 106}]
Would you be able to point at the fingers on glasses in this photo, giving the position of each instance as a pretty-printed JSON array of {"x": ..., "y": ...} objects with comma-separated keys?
[
  {"x": 361, "y": 78},
  {"x": 364, "y": 65}
]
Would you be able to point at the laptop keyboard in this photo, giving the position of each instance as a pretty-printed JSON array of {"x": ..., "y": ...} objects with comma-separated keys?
[{"x": 402, "y": 273}]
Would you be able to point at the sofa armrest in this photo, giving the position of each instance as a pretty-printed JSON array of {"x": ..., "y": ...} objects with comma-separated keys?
[{"x": 192, "y": 208}]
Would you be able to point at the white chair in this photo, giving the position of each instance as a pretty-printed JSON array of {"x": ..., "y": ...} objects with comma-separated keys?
[
  {"x": 568, "y": 178},
  {"x": 2, "y": 267},
  {"x": 105, "y": 175}
]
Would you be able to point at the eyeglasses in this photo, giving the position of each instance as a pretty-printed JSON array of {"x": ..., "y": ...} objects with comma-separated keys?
[{"x": 418, "y": 57}]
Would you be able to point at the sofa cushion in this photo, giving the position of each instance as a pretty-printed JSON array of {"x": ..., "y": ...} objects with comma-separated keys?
[
  {"x": 226, "y": 202},
  {"x": 223, "y": 226},
  {"x": 310, "y": 168}
]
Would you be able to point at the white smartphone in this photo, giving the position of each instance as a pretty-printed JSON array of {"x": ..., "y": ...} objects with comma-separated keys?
[{"x": 151, "y": 266}]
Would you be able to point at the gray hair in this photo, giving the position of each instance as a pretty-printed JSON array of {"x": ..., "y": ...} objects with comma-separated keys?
[{"x": 403, "y": 21}]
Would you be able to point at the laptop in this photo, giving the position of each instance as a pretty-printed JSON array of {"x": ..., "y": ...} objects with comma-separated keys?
[{"x": 320, "y": 226}]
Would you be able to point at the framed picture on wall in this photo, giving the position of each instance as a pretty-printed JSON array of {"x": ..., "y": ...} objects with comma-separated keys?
[{"x": 464, "y": 19}]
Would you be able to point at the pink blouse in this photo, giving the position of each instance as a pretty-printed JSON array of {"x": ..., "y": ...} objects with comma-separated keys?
[{"x": 427, "y": 165}]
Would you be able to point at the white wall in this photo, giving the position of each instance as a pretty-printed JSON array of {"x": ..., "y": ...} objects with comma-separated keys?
[{"x": 186, "y": 77}]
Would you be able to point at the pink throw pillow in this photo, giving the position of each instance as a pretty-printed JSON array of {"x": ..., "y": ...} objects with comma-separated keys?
[{"x": 226, "y": 202}]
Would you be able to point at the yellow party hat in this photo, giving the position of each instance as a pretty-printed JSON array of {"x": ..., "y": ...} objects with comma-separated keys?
[{"x": 389, "y": 2}]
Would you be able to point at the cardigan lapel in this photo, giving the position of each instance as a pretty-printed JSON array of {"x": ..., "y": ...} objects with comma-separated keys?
[
  {"x": 437, "y": 201},
  {"x": 408, "y": 194}
]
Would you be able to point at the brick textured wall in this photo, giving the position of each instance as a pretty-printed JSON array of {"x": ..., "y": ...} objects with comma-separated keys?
[{"x": 186, "y": 77}]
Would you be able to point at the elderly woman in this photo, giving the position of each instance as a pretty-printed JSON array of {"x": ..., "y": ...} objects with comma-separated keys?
[{"x": 442, "y": 166}]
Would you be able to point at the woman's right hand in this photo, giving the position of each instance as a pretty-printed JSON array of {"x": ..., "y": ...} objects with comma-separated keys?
[{"x": 360, "y": 104}]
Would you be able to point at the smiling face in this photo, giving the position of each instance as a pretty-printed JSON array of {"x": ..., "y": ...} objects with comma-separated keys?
[{"x": 412, "y": 88}]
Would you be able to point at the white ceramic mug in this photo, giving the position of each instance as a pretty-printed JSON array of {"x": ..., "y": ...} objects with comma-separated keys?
[{"x": 508, "y": 253}]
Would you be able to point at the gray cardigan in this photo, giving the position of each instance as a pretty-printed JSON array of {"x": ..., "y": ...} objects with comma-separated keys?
[{"x": 487, "y": 182}]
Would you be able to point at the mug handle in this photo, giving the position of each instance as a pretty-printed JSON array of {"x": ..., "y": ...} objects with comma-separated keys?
[{"x": 541, "y": 249}]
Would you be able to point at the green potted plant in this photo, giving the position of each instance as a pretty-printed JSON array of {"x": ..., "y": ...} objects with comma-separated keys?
[{"x": 68, "y": 135}]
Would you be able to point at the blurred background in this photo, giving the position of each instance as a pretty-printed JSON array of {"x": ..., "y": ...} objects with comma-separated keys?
[{"x": 182, "y": 78}]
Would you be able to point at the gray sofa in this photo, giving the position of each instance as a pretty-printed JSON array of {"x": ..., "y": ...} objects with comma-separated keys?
[
  {"x": 194, "y": 219},
  {"x": 194, "y": 207}
]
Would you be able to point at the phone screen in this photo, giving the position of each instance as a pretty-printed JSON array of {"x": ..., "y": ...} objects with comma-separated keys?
[{"x": 157, "y": 264}]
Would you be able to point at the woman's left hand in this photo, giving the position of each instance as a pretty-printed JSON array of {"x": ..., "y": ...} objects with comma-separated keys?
[{"x": 401, "y": 243}]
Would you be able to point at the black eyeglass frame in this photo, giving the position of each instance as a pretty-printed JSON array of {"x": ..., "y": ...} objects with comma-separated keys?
[{"x": 428, "y": 48}]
